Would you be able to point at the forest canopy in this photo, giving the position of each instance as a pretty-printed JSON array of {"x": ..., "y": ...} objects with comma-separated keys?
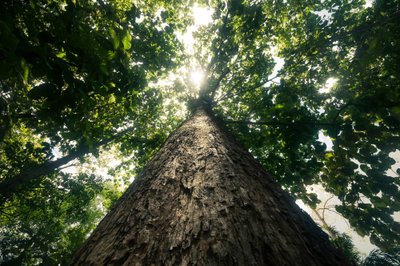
[{"x": 81, "y": 80}]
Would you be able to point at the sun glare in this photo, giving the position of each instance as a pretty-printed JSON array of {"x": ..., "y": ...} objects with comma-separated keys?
[
  {"x": 201, "y": 15},
  {"x": 368, "y": 3},
  {"x": 330, "y": 82},
  {"x": 197, "y": 77}
]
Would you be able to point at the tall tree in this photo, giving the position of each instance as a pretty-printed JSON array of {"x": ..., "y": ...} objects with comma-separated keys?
[
  {"x": 204, "y": 200},
  {"x": 78, "y": 74}
]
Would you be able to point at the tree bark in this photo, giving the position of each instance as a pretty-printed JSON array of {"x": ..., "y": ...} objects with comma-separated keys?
[{"x": 204, "y": 200}]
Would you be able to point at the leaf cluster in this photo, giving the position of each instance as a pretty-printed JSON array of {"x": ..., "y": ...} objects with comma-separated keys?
[{"x": 281, "y": 117}]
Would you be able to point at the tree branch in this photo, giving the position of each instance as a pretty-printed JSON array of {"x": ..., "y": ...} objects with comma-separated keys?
[
  {"x": 277, "y": 123},
  {"x": 215, "y": 86},
  {"x": 341, "y": 110},
  {"x": 11, "y": 185}
]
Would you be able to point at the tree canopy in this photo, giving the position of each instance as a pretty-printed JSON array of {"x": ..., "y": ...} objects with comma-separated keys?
[{"x": 84, "y": 78}]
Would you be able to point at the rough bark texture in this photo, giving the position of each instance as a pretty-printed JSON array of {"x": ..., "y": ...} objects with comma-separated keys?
[{"x": 204, "y": 200}]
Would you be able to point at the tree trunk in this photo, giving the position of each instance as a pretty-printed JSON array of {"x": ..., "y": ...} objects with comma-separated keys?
[{"x": 204, "y": 200}]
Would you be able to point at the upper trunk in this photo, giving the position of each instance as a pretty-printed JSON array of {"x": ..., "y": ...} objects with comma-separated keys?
[{"x": 204, "y": 200}]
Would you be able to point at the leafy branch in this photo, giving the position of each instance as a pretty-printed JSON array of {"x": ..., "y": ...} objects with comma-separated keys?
[{"x": 12, "y": 185}]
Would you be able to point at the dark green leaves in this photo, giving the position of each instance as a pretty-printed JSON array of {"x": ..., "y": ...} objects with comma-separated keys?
[
  {"x": 46, "y": 91},
  {"x": 280, "y": 121},
  {"x": 73, "y": 76}
]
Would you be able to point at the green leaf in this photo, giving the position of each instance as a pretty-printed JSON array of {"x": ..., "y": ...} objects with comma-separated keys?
[
  {"x": 126, "y": 40},
  {"x": 25, "y": 70},
  {"x": 111, "y": 99},
  {"x": 114, "y": 38}
]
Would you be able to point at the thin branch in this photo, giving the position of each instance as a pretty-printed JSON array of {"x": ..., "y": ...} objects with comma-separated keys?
[
  {"x": 294, "y": 53},
  {"x": 322, "y": 219},
  {"x": 226, "y": 96},
  {"x": 215, "y": 86},
  {"x": 9, "y": 186},
  {"x": 326, "y": 202},
  {"x": 341, "y": 110},
  {"x": 219, "y": 49},
  {"x": 394, "y": 172},
  {"x": 276, "y": 123},
  {"x": 65, "y": 167}
]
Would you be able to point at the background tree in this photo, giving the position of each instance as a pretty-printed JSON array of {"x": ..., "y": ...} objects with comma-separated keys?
[{"x": 80, "y": 75}]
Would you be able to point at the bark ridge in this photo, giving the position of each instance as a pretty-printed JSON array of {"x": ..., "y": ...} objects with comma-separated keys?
[{"x": 204, "y": 200}]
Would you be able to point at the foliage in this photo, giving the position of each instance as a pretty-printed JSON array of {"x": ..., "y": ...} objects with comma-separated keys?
[
  {"x": 80, "y": 77},
  {"x": 380, "y": 258},
  {"x": 74, "y": 77},
  {"x": 345, "y": 244},
  {"x": 280, "y": 119},
  {"x": 62, "y": 211}
]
